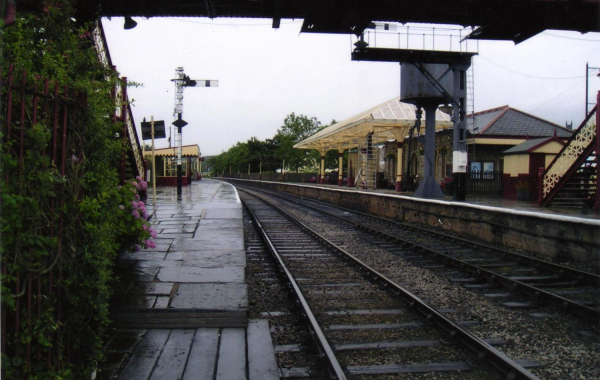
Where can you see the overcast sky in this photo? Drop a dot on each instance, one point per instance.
(265, 74)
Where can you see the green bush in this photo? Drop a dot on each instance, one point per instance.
(65, 230)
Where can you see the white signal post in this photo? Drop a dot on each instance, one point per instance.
(181, 80)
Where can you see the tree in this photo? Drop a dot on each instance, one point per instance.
(295, 129)
(271, 153)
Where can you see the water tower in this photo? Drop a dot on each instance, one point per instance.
(430, 78)
(416, 89)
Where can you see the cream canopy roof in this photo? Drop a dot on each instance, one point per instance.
(387, 121)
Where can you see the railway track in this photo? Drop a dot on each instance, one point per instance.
(362, 322)
(522, 281)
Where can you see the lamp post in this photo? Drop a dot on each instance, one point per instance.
(181, 80)
(588, 68)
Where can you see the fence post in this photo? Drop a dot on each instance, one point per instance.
(597, 203)
(540, 185)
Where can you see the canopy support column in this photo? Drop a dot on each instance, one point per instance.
(341, 167)
(400, 146)
(322, 171)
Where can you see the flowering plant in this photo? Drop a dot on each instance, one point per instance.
(522, 185)
(134, 227)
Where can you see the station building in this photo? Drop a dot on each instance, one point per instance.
(166, 165)
(386, 151)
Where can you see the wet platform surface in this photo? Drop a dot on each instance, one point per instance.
(480, 200)
(180, 309)
(198, 265)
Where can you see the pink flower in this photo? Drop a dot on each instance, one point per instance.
(134, 204)
(145, 227)
(135, 214)
(121, 207)
(145, 215)
(150, 244)
(137, 248)
(139, 178)
(144, 185)
(136, 197)
(141, 204)
(153, 233)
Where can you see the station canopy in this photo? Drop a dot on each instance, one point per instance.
(186, 151)
(391, 120)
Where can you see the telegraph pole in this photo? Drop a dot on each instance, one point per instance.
(181, 80)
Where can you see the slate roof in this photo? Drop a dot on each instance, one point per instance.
(507, 121)
(525, 146)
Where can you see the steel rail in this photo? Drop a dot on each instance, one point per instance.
(484, 351)
(535, 293)
(323, 345)
(585, 277)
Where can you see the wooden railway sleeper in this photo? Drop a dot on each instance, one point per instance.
(499, 360)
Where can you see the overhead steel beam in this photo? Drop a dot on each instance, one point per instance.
(514, 20)
(411, 56)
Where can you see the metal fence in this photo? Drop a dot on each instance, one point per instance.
(278, 177)
(484, 183)
(29, 103)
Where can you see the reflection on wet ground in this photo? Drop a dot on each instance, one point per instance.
(193, 279)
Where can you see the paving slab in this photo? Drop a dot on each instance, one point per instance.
(192, 354)
(143, 359)
(232, 355)
(220, 223)
(261, 355)
(156, 264)
(203, 355)
(211, 296)
(155, 254)
(224, 213)
(189, 295)
(151, 288)
(171, 363)
(175, 256)
(220, 234)
(214, 259)
(178, 230)
(190, 274)
(215, 243)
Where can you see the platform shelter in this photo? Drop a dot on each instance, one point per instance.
(364, 133)
(166, 165)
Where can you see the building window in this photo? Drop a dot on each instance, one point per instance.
(482, 169)
(171, 166)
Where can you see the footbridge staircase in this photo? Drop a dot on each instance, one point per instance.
(132, 164)
(572, 179)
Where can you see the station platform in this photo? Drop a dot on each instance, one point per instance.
(555, 234)
(483, 200)
(180, 309)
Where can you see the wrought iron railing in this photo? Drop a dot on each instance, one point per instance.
(484, 183)
(570, 154)
(122, 110)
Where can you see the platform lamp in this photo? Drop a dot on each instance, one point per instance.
(182, 81)
(154, 129)
(129, 23)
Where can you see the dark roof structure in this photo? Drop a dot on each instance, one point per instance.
(509, 122)
(515, 20)
(531, 145)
